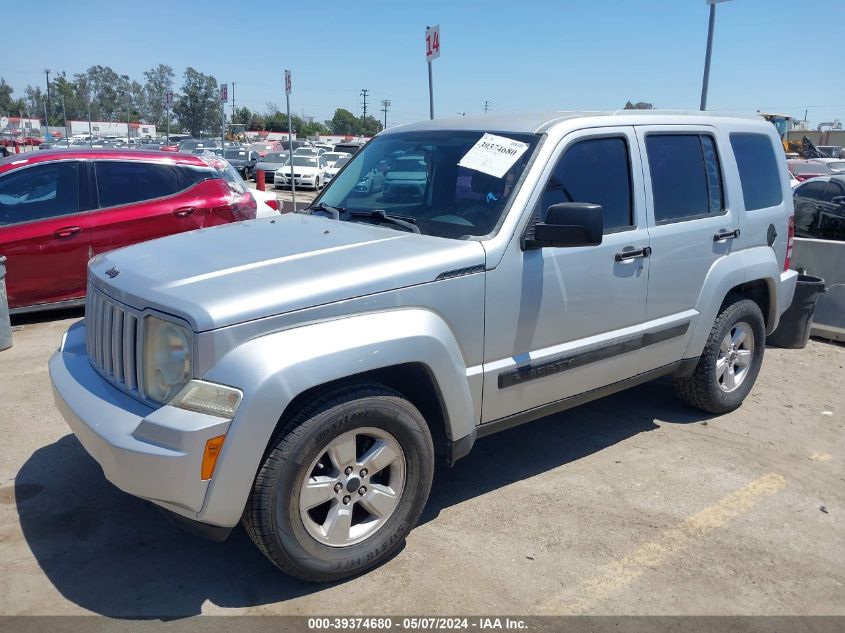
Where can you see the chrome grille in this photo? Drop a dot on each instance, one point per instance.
(111, 331)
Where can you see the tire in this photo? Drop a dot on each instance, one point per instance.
(719, 384)
(300, 541)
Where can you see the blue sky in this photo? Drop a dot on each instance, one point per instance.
(528, 55)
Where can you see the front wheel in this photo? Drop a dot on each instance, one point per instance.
(344, 482)
(731, 359)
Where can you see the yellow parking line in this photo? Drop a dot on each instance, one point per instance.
(821, 457)
(624, 571)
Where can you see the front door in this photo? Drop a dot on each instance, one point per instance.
(44, 233)
(563, 321)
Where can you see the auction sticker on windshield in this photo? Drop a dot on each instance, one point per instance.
(493, 155)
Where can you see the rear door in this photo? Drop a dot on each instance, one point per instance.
(44, 233)
(691, 225)
(140, 201)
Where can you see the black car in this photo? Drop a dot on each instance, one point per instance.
(820, 208)
(243, 160)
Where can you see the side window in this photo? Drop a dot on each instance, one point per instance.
(686, 177)
(596, 171)
(832, 190)
(120, 183)
(758, 170)
(39, 192)
(811, 190)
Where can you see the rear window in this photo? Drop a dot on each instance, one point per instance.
(686, 178)
(758, 170)
(121, 183)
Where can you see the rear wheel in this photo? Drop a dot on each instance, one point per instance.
(731, 359)
(344, 482)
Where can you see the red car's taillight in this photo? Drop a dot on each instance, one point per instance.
(790, 237)
(245, 207)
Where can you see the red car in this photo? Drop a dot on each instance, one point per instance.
(806, 169)
(59, 209)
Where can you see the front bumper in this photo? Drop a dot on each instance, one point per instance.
(301, 181)
(155, 454)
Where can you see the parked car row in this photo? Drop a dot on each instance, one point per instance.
(58, 209)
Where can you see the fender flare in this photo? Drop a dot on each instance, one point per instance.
(273, 369)
(753, 264)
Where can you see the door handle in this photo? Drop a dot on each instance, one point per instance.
(634, 253)
(68, 231)
(184, 212)
(725, 235)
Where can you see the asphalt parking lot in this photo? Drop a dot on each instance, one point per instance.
(285, 197)
(633, 504)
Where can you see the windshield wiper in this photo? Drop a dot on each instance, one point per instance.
(333, 211)
(381, 216)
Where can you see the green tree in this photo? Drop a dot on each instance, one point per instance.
(369, 126)
(639, 105)
(198, 107)
(343, 122)
(158, 82)
(5, 96)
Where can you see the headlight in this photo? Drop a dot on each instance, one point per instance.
(167, 358)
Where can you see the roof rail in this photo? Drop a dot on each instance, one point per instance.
(713, 113)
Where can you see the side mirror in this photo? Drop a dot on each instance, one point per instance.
(569, 224)
(838, 200)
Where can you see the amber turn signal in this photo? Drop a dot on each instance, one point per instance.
(209, 457)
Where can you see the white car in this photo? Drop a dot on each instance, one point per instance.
(332, 169)
(332, 157)
(309, 151)
(268, 204)
(835, 165)
(308, 171)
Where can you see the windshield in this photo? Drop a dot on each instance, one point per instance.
(341, 162)
(235, 153)
(274, 158)
(303, 161)
(416, 176)
(840, 166)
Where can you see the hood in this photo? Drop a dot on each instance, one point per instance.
(237, 272)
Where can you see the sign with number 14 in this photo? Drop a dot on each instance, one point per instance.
(432, 42)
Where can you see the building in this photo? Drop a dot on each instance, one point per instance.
(13, 125)
(112, 128)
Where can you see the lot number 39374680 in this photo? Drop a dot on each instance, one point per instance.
(432, 42)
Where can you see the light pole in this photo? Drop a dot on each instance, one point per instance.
(706, 80)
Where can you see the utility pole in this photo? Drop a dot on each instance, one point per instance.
(64, 117)
(49, 105)
(90, 132)
(233, 102)
(705, 82)
(385, 104)
(487, 106)
(364, 94)
(127, 119)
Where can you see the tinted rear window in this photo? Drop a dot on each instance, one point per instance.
(686, 177)
(120, 183)
(758, 170)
